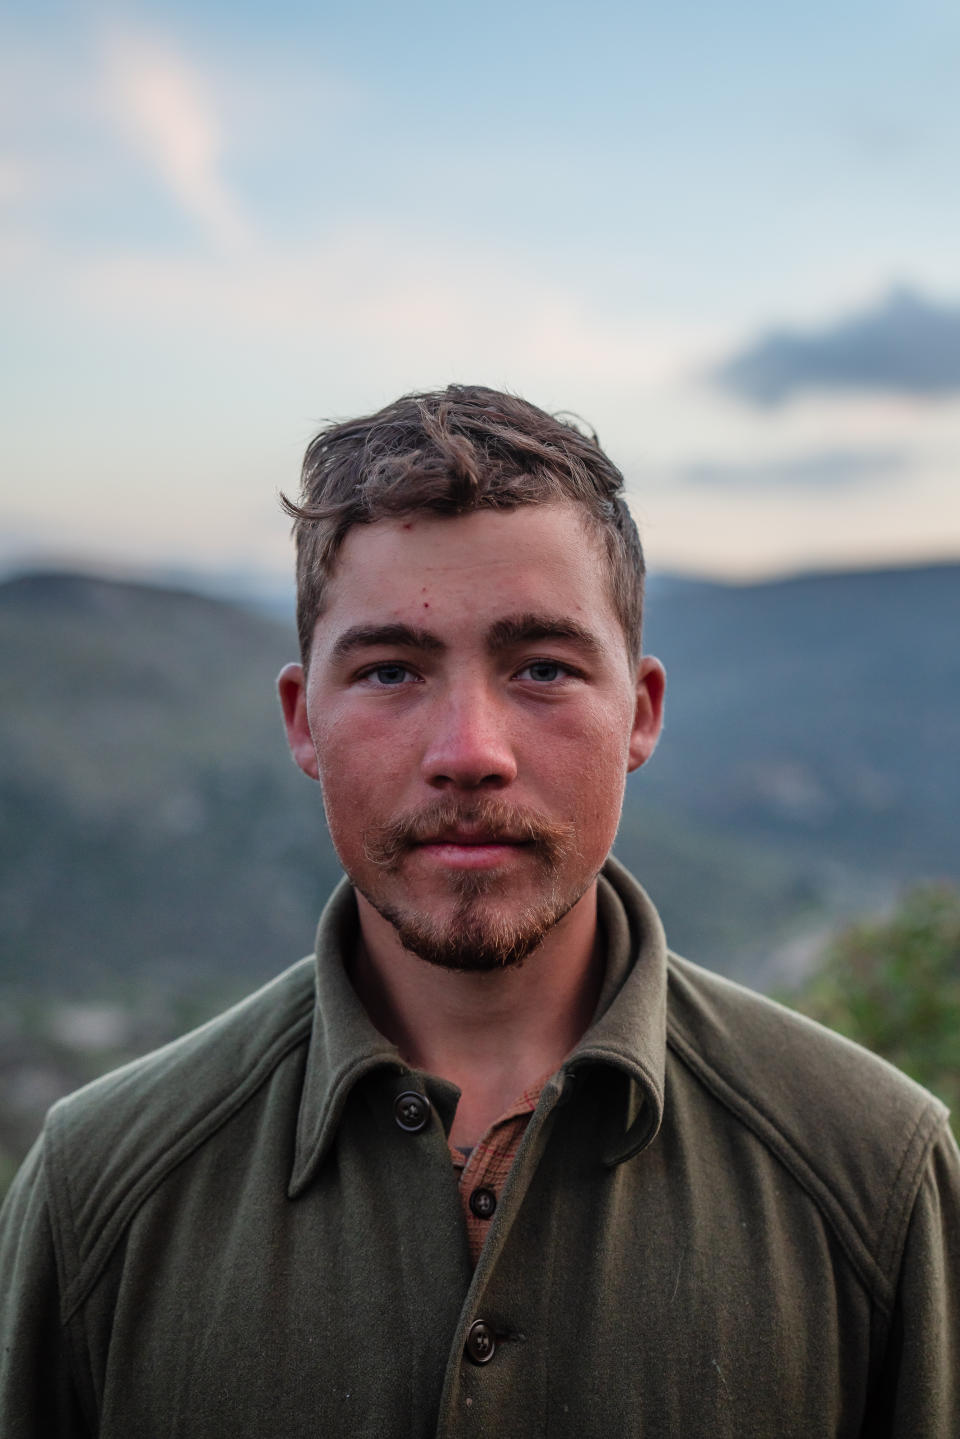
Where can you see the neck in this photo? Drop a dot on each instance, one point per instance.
(494, 1033)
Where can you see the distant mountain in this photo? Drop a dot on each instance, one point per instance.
(151, 821)
(821, 714)
(817, 721)
(153, 828)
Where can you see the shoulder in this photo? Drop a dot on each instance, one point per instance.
(145, 1106)
(783, 1059)
(107, 1145)
(853, 1131)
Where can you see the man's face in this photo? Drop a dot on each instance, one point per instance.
(472, 713)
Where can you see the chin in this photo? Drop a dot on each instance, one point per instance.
(481, 932)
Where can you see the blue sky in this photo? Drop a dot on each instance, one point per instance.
(222, 224)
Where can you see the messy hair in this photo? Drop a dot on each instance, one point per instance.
(450, 452)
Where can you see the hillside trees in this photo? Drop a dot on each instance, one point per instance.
(894, 986)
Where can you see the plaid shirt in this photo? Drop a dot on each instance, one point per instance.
(484, 1169)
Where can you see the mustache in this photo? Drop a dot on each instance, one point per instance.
(496, 819)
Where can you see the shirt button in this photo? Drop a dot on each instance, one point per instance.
(483, 1202)
(481, 1342)
(411, 1111)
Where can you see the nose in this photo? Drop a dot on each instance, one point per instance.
(469, 744)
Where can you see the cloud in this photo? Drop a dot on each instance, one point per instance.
(904, 345)
(163, 106)
(828, 468)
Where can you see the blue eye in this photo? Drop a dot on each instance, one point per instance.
(389, 675)
(545, 671)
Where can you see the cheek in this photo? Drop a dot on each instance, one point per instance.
(360, 770)
(595, 740)
(346, 742)
(586, 765)
(341, 766)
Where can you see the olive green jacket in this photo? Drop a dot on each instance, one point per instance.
(722, 1221)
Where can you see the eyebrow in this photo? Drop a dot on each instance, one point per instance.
(526, 629)
(505, 634)
(366, 637)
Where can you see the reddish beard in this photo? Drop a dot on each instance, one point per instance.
(476, 936)
(552, 840)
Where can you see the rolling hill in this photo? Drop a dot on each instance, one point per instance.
(152, 822)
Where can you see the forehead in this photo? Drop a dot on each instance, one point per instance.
(468, 567)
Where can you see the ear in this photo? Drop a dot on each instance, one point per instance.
(648, 713)
(292, 689)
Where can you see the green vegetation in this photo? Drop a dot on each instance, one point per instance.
(894, 986)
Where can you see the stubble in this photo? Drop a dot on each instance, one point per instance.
(484, 931)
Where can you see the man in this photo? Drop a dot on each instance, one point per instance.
(494, 1163)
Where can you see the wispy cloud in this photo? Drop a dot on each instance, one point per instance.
(164, 107)
(904, 345)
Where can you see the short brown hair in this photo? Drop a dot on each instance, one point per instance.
(449, 452)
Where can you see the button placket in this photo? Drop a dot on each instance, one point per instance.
(481, 1344)
(411, 1110)
(483, 1202)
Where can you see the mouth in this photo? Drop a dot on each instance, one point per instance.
(471, 849)
(481, 835)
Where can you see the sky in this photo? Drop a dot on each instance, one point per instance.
(727, 236)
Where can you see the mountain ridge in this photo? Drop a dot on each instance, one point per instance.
(152, 818)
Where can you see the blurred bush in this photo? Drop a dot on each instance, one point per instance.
(894, 986)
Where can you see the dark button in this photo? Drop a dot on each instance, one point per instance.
(483, 1202)
(411, 1111)
(481, 1342)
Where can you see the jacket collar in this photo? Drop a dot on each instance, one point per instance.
(628, 1031)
